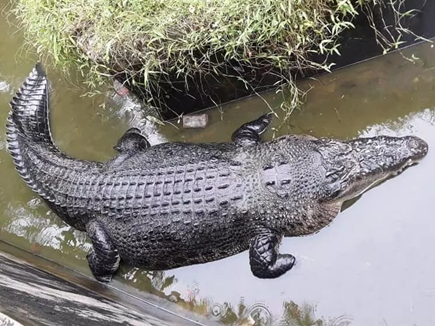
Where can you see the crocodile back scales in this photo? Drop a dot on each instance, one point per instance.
(196, 202)
(171, 204)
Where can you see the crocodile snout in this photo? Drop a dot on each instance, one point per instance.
(418, 147)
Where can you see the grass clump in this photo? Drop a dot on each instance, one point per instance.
(157, 41)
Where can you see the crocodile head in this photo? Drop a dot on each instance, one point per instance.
(354, 166)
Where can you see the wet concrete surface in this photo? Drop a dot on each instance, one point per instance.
(34, 296)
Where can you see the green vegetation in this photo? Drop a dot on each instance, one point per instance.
(154, 41)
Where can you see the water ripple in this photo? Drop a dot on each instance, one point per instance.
(340, 321)
(43, 229)
(34, 203)
(130, 109)
(256, 314)
(260, 314)
(218, 310)
(4, 87)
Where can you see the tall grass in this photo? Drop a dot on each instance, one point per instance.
(154, 40)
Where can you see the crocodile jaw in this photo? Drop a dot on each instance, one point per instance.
(358, 165)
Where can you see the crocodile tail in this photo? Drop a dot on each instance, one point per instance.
(28, 126)
(28, 118)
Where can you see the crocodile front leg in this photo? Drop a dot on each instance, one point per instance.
(264, 258)
(104, 259)
(249, 133)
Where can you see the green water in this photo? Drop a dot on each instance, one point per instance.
(373, 266)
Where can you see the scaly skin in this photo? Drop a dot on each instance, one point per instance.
(177, 204)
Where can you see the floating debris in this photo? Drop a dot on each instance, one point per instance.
(120, 89)
(195, 121)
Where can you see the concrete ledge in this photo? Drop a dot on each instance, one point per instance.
(30, 295)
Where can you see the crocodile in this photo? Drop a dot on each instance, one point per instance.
(175, 204)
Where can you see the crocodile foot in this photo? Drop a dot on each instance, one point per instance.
(249, 133)
(264, 258)
(132, 141)
(104, 259)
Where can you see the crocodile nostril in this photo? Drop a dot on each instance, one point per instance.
(417, 146)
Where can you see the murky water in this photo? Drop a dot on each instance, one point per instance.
(373, 266)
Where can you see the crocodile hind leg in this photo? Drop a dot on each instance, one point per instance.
(132, 141)
(104, 259)
(249, 133)
(129, 144)
(264, 258)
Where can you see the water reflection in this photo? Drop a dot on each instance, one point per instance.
(401, 126)
(44, 229)
(4, 87)
(128, 109)
(227, 313)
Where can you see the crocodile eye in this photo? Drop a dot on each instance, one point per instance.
(333, 191)
(336, 193)
(335, 170)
